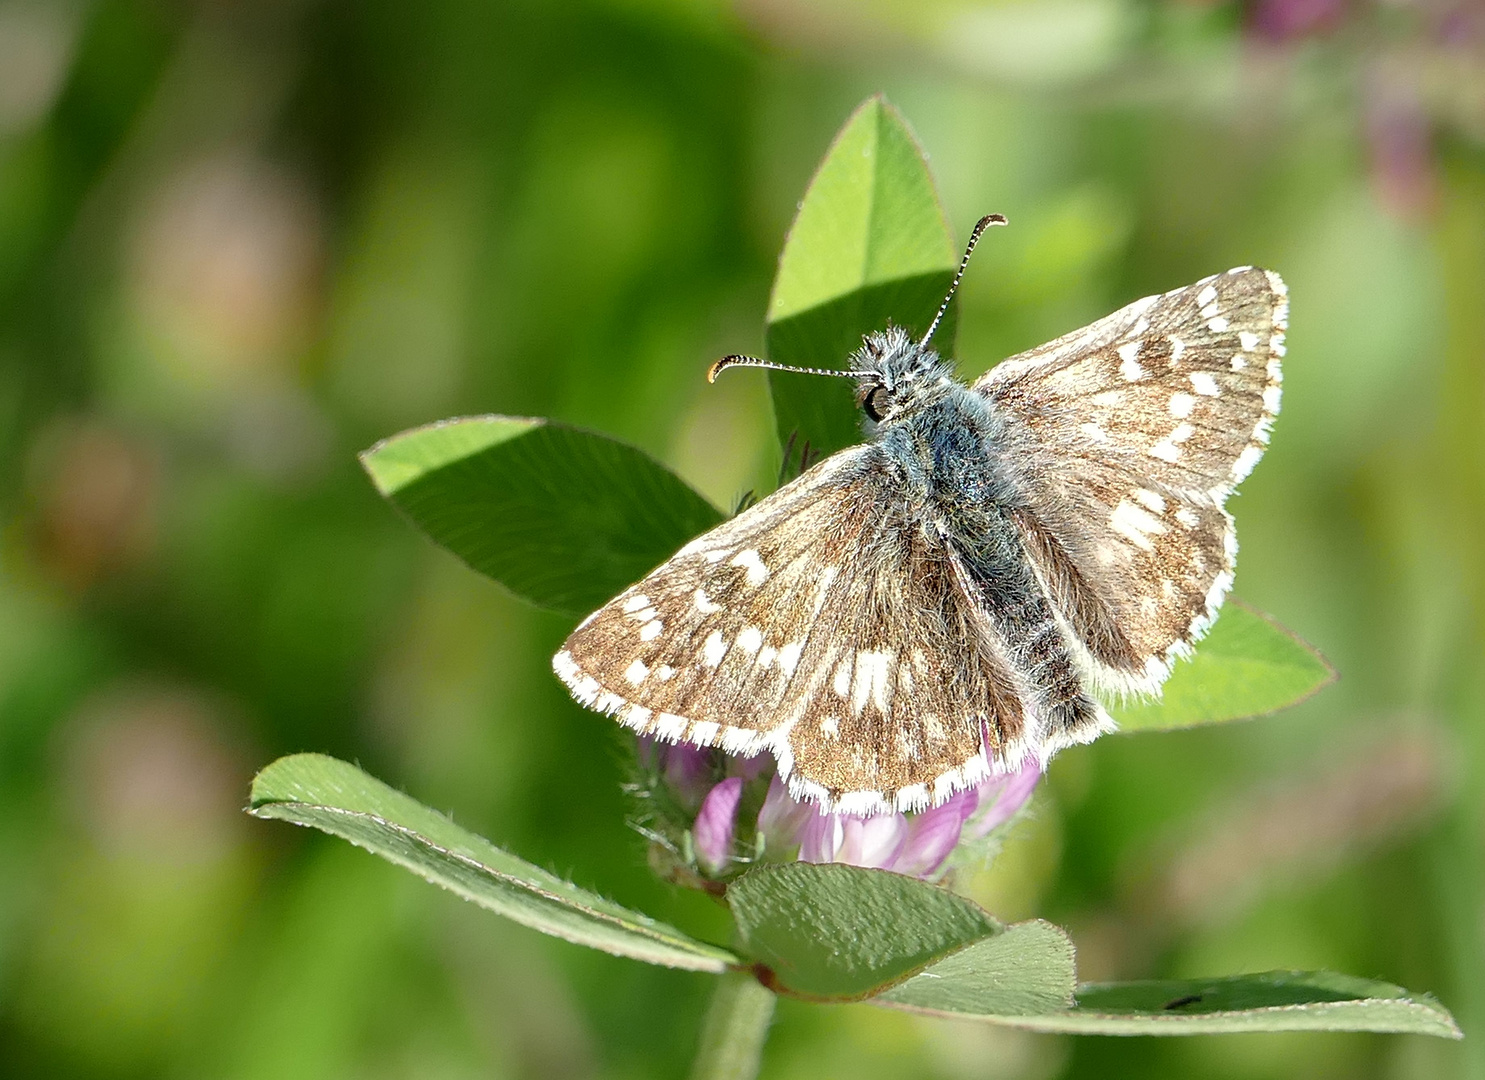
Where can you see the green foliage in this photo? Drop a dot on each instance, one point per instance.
(1268, 1001)
(989, 981)
(340, 799)
(1247, 665)
(842, 933)
(869, 247)
(561, 517)
(837, 933)
(1026, 970)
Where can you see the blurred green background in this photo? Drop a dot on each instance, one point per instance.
(240, 241)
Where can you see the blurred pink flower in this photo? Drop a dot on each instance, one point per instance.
(1285, 20)
(716, 824)
(726, 837)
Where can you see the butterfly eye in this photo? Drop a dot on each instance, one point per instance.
(876, 403)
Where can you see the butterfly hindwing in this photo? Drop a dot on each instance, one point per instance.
(1131, 433)
(824, 624)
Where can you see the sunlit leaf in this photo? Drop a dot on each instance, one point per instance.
(337, 798)
(561, 517)
(1272, 1001)
(869, 246)
(1027, 970)
(839, 932)
(1247, 666)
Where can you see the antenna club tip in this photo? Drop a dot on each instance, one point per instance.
(992, 219)
(718, 367)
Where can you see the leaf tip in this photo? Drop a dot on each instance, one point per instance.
(274, 783)
(371, 465)
(398, 460)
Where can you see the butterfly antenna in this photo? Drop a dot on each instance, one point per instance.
(974, 238)
(753, 361)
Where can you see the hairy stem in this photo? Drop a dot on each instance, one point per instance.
(735, 1029)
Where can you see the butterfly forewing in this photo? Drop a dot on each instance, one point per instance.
(825, 625)
(1131, 433)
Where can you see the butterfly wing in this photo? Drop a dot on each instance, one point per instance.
(1131, 433)
(825, 625)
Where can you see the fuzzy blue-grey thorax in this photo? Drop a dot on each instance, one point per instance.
(944, 438)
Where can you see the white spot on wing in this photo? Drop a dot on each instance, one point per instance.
(1165, 450)
(1217, 325)
(704, 603)
(651, 630)
(636, 672)
(789, 656)
(1181, 405)
(634, 603)
(1203, 383)
(750, 640)
(750, 560)
(1188, 517)
(1135, 524)
(1150, 500)
(1177, 347)
(713, 649)
(1206, 296)
(1094, 432)
(1248, 340)
(665, 673)
(873, 679)
(1128, 366)
(842, 682)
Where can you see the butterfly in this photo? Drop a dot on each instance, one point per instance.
(959, 592)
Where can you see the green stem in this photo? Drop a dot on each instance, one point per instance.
(735, 1029)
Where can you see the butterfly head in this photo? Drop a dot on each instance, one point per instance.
(896, 375)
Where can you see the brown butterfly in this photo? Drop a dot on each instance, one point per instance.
(945, 599)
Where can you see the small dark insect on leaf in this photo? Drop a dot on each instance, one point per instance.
(1182, 1002)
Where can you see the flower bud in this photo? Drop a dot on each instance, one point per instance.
(709, 817)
